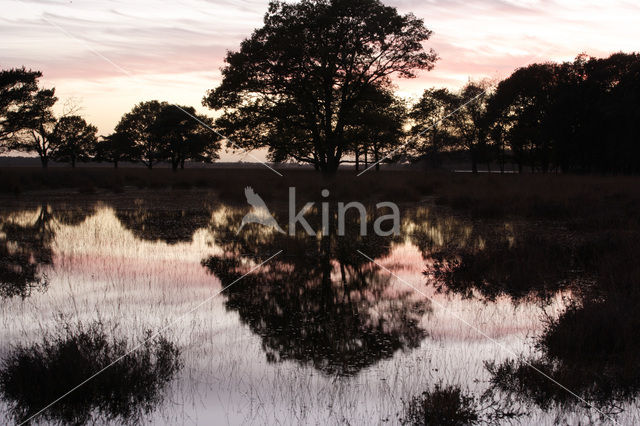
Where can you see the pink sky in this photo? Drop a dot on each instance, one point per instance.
(173, 50)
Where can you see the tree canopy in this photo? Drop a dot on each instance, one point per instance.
(156, 131)
(26, 115)
(292, 84)
(73, 139)
(17, 86)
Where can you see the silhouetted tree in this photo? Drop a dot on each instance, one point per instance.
(27, 113)
(183, 137)
(469, 121)
(606, 101)
(624, 110)
(114, 148)
(17, 86)
(576, 116)
(156, 131)
(292, 83)
(137, 127)
(430, 117)
(523, 102)
(447, 120)
(73, 140)
(376, 126)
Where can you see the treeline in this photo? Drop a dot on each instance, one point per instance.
(581, 116)
(150, 133)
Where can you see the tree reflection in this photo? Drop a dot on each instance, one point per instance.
(25, 246)
(320, 303)
(150, 222)
(491, 260)
(527, 267)
(591, 348)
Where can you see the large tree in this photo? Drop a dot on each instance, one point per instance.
(573, 116)
(453, 120)
(469, 121)
(521, 106)
(136, 126)
(73, 140)
(291, 85)
(431, 124)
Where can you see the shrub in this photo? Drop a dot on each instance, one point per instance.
(131, 384)
(441, 406)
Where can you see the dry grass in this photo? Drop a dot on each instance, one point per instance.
(585, 201)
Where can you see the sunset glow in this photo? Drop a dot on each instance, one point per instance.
(173, 50)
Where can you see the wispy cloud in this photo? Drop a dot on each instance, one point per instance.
(175, 49)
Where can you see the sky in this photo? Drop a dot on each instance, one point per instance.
(106, 56)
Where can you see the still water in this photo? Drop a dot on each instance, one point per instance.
(318, 334)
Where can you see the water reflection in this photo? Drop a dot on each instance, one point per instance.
(25, 246)
(523, 266)
(149, 220)
(592, 349)
(320, 303)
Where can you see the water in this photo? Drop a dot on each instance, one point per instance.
(316, 335)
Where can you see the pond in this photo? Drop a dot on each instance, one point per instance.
(187, 321)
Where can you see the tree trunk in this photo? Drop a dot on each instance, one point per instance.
(357, 160)
(45, 161)
(331, 167)
(376, 155)
(73, 162)
(115, 164)
(182, 164)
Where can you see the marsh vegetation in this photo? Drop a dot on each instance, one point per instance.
(320, 333)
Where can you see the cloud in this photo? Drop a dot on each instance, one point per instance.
(180, 40)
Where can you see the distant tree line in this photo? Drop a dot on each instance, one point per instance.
(581, 116)
(152, 132)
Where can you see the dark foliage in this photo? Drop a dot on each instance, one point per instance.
(33, 376)
(573, 117)
(24, 250)
(73, 140)
(441, 406)
(293, 84)
(325, 305)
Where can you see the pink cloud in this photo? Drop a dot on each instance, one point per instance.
(476, 38)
